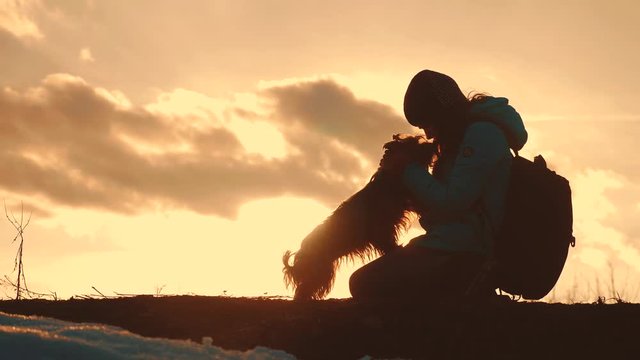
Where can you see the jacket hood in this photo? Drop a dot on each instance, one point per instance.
(498, 110)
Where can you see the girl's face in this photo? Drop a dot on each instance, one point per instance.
(430, 130)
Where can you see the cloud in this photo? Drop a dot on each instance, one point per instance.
(85, 55)
(593, 206)
(311, 113)
(608, 142)
(16, 18)
(49, 244)
(16, 209)
(594, 257)
(84, 146)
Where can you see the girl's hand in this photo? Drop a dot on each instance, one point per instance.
(394, 161)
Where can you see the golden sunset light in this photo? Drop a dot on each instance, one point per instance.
(183, 146)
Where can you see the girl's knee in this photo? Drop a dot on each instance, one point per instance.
(356, 284)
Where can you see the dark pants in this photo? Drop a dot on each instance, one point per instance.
(414, 273)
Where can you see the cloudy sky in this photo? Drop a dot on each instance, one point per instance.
(189, 144)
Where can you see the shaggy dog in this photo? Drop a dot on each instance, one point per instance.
(365, 225)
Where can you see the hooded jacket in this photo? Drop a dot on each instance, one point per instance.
(467, 199)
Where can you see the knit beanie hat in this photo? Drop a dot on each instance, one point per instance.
(431, 94)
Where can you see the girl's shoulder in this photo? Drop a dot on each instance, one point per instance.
(484, 130)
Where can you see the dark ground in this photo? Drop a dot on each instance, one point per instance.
(344, 329)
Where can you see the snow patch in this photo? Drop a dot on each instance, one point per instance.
(32, 337)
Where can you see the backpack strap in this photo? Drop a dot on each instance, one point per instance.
(484, 278)
(489, 232)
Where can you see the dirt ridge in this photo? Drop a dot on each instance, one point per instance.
(345, 329)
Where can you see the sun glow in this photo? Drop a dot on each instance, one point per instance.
(238, 256)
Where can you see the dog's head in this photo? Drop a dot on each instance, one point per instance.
(413, 148)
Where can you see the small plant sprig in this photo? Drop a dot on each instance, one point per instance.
(20, 226)
(26, 293)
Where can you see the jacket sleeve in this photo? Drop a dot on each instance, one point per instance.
(483, 146)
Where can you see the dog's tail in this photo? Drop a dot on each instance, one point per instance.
(287, 270)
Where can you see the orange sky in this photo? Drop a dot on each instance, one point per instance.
(188, 145)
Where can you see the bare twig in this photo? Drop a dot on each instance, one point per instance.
(98, 291)
(20, 226)
(28, 293)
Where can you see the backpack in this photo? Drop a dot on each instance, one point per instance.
(530, 250)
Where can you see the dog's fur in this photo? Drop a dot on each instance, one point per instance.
(365, 225)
